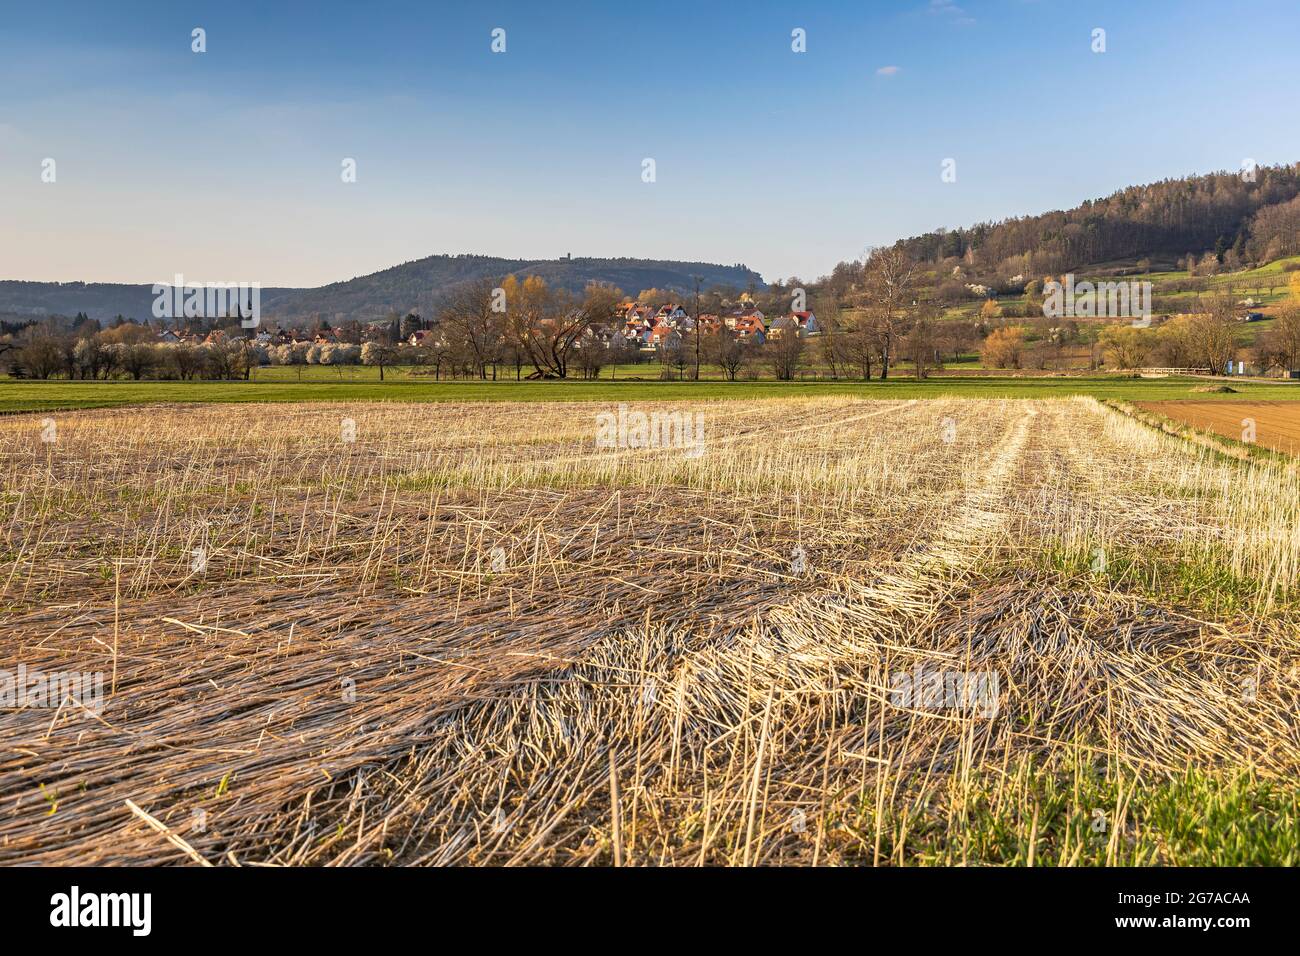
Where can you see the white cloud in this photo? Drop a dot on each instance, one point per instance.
(950, 11)
(888, 70)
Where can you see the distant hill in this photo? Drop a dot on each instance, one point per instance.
(418, 285)
(99, 300)
(1257, 216)
(422, 284)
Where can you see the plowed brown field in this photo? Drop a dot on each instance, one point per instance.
(1276, 424)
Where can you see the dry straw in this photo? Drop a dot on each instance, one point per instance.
(470, 636)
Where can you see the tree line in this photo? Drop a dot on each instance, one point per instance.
(881, 316)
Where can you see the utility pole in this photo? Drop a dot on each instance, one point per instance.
(697, 327)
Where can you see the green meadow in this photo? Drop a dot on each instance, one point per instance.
(35, 396)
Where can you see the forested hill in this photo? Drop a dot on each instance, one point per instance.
(418, 285)
(1259, 220)
(421, 284)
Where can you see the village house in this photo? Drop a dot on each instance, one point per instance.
(748, 316)
(327, 337)
(807, 323)
(600, 332)
(664, 336)
(748, 328)
(778, 328)
(635, 312)
(639, 329)
(803, 323)
(424, 337)
(672, 315)
(376, 330)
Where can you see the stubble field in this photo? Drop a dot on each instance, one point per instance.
(438, 634)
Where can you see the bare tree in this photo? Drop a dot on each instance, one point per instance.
(621, 352)
(474, 324)
(785, 355)
(1004, 348)
(889, 279)
(89, 356)
(673, 354)
(861, 343)
(377, 354)
(589, 356)
(1126, 347)
(138, 360)
(1284, 338)
(1213, 333)
(514, 356)
(832, 345)
(960, 338)
(726, 351)
(41, 355)
(921, 346)
(546, 323)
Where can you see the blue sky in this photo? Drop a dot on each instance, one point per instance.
(225, 166)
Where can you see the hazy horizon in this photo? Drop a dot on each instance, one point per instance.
(225, 165)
